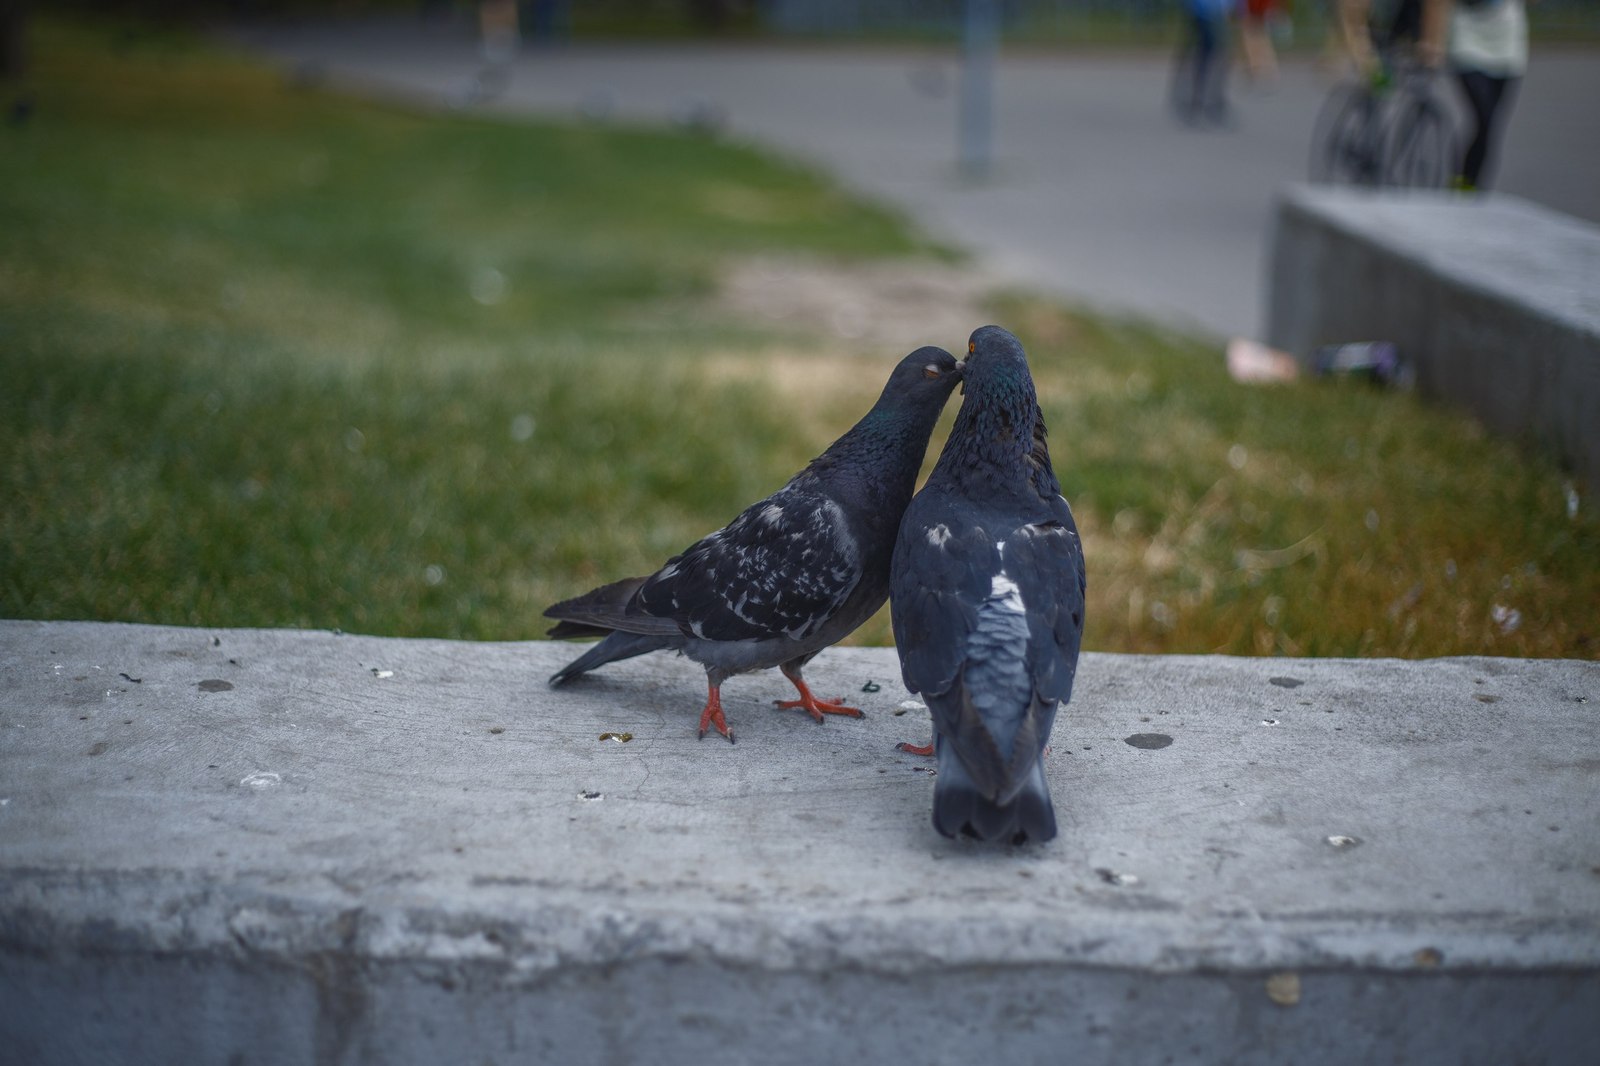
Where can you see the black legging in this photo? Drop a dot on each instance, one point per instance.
(1489, 98)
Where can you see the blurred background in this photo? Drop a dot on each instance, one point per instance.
(412, 318)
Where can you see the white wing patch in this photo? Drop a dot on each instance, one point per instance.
(938, 535)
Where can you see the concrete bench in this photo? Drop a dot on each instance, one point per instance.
(1495, 301)
(276, 846)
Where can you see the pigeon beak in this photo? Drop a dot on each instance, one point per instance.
(961, 373)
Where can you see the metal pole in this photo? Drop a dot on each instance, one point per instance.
(979, 40)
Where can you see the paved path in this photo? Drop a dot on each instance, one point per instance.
(1099, 195)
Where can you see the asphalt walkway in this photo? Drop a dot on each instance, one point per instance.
(1098, 194)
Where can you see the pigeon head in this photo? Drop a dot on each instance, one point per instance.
(890, 438)
(914, 396)
(996, 361)
(999, 426)
(925, 378)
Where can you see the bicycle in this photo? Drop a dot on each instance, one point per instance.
(1387, 130)
(1346, 138)
(1421, 152)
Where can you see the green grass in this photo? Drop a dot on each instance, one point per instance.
(278, 358)
(265, 350)
(1315, 518)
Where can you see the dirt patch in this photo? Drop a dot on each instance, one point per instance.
(862, 306)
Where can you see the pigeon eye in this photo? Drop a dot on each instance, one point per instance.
(972, 347)
(930, 371)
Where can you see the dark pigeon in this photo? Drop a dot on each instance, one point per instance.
(792, 574)
(987, 595)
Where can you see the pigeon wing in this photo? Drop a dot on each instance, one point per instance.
(781, 568)
(1045, 559)
(939, 577)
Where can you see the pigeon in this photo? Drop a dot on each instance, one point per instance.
(792, 574)
(987, 600)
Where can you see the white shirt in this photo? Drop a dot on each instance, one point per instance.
(1491, 37)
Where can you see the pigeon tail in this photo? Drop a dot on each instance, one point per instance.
(617, 645)
(601, 610)
(959, 809)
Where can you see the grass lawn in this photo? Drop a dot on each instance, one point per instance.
(277, 358)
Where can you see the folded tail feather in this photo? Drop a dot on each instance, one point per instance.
(959, 808)
(601, 610)
(577, 631)
(615, 646)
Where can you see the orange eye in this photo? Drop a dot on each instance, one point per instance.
(930, 371)
(972, 347)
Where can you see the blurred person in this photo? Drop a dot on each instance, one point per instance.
(1486, 45)
(1401, 31)
(1255, 39)
(1200, 88)
(13, 38)
(1355, 35)
(498, 36)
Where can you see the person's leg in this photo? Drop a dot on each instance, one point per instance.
(1205, 50)
(1485, 95)
(1356, 36)
(1216, 88)
(1504, 90)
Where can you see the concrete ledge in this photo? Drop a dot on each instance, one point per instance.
(272, 846)
(1495, 301)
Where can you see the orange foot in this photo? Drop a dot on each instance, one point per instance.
(815, 707)
(712, 715)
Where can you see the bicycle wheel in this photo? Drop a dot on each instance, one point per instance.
(1344, 149)
(1420, 153)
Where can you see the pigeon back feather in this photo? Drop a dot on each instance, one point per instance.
(787, 564)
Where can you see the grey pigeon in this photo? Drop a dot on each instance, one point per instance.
(987, 595)
(793, 573)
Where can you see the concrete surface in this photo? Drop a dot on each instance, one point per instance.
(1099, 195)
(1495, 303)
(257, 846)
